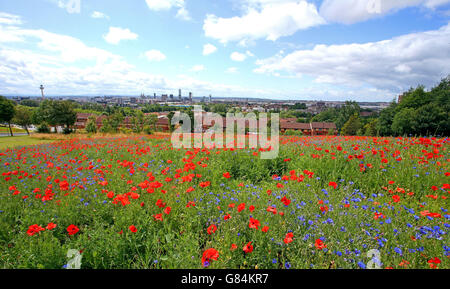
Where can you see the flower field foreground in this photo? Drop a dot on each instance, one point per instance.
(325, 202)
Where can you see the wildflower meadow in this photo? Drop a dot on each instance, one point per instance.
(325, 202)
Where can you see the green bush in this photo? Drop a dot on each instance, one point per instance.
(43, 128)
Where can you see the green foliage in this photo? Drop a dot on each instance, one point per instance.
(352, 126)
(370, 129)
(22, 117)
(419, 113)
(338, 115)
(299, 106)
(43, 128)
(404, 121)
(7, 109)
(91, 125)
(55, 112)
(293, 132)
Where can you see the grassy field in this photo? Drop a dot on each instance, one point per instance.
(137, 202)
(10, 142)
(14, 129)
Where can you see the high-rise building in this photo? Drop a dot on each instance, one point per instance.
(190, 96)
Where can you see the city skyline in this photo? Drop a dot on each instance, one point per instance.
(270, 49)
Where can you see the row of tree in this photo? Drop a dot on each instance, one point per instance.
(139, 123)
(419, 112)
(48, 113)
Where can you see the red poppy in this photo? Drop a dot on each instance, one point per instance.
(158, 217)
(289, 238)
(132, 229)
(254, 224)
(265, 229)
(434, 262)
(285, 201)
(272, 210)
(211, 229)
(209, 254)
(72, 229)
(332, 184)
(226, 175)
(248, 248)
(34, 229)
(167, 210)
(51, 226)
(320, 245)
(241, 207)
(233, 247)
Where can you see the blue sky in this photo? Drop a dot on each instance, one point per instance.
(365, 50)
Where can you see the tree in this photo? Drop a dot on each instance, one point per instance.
(63, 113)
(115, 121)
(44, 113)
(91, 125)
(432, 119)
(138, 121)
(22, 117)
(384, 124)
(405, 122)
(370, 129)
(152, 119)
(345, 112)
(352, 126)
(7, 112)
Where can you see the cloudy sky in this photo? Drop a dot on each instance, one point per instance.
(365, 50)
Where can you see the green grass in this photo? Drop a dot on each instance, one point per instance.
(4, 129)
(10, 142)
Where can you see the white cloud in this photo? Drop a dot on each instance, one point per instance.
(117, 34)
(209, 49)
(352, 11)
(435, 3)
(71, 6)
(67, 66)
(99, 15)
(395, 64)
(231, 70)
(268, 19)
(9, 19)
(155, 55)
(248, 53)
(183, 14)
(159, 5)
(236, 56)
(198, 68)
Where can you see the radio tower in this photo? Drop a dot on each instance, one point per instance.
(42, 91)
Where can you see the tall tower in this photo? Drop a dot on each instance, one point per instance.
(190, 96)
(42, 91)
(179, 93)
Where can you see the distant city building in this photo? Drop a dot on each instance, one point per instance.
(42, 91)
